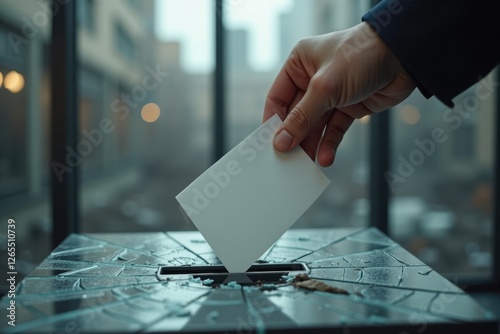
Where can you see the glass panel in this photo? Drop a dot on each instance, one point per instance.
(25, 28)
(105, 282)
(144, 108)
(261, 35)
(441, 180)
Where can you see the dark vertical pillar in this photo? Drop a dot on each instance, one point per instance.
(219, 83)
(64, 121)
(379, 149)
(496, 193)
(379, 164)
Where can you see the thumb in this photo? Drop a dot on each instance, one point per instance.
(300, 120)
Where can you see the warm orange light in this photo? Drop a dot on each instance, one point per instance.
(365, 119)
(14, 82)
(150, 112)
(410, 114)
(1, 79)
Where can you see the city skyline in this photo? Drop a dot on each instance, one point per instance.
(194, 30)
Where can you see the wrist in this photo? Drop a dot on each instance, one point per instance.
(382, 50)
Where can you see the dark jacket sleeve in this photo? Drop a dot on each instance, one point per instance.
(445, 45)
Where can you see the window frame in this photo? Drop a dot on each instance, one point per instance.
(65, 194)
(64, 121)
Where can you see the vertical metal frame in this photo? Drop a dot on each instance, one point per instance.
(379, 149)
(496, 193)
(493, 283)
(219, 82)
(64, 121)
(379, 194)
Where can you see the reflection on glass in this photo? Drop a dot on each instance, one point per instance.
(441, 179)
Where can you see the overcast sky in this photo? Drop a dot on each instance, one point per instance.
(192, 23)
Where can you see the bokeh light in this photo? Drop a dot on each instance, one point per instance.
(1, 79)
(410, 114)
(150, 112)
(14, 82)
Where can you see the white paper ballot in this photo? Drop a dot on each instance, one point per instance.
(245, 201)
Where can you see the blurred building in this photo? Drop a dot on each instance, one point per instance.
(116, 51)
(246, 88)
(122, 67)
(131, 181)
(24, 34)
(24, 119)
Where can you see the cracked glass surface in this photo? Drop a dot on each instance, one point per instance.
(108, 283)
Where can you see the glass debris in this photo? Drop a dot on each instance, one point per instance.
(107, 283)
(312, 284)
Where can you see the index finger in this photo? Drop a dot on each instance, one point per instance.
(280, 95)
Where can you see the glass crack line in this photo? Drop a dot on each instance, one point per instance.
(295, 247)
(69, 316)
(74, 250)
(400, 279)
(78, 284)
(394, 257)
(131, 249)
(337, 241)
(296, 259)
(403, 297)
(362, 273)
(254, 315)
(340, 257)
(431, 301)
(367, 267)
(71, 273)
(386, 286)
(185, 247)
(373, 242)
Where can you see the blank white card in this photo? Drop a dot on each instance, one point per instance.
(245, 201)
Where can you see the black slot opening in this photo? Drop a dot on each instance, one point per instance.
(260, 267)
(260, 272)
(190, 270)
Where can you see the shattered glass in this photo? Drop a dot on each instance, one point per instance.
(108, 283)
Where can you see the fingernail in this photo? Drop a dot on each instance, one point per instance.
(282, 141)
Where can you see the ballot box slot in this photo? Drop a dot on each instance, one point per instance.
(257, 274)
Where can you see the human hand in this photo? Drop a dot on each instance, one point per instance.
(327, 82)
